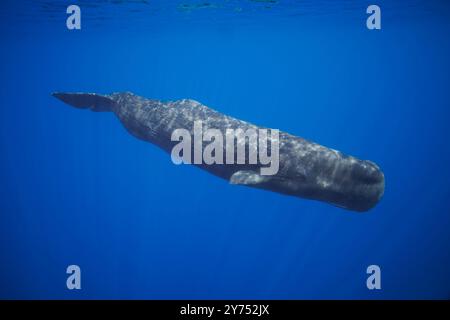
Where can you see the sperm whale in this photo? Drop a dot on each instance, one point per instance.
(306, 169)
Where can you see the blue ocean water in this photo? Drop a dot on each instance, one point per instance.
(76, 188)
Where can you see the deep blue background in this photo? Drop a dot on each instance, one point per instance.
(76, 188)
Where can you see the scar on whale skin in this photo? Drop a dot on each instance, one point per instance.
(306, 169)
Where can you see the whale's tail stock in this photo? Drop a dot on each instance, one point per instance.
(93, 101)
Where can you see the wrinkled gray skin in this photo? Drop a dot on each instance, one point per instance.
(306, 169)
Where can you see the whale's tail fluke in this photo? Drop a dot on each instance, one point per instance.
(93, 101)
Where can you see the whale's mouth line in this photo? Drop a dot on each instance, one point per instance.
(365, 196)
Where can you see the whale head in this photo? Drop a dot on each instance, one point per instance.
(345, 182)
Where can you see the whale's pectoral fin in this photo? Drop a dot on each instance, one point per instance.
(248, 178)
(279, 183)
(93, 101)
